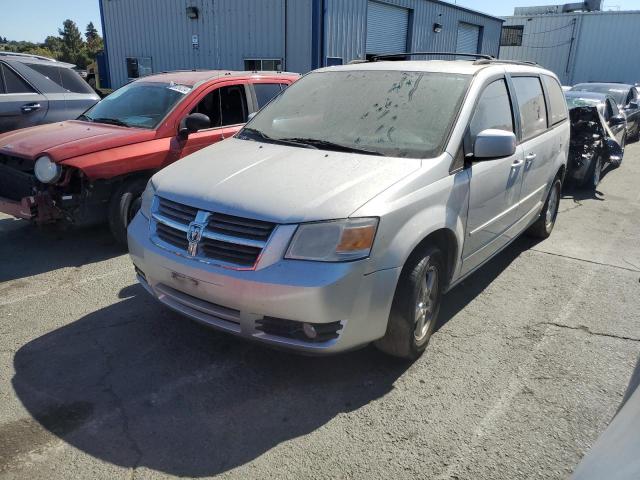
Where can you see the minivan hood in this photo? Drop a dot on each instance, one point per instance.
(279, 183)
(72, 138)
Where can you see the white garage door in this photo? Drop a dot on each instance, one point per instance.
(387, 27)
(468, 38)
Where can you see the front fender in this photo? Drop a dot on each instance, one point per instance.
(413, 211)
(119, 161)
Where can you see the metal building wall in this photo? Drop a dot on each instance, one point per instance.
(346, 27)
(597, 53)
(607, 49)
(228, 32)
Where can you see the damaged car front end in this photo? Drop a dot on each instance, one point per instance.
(45, 191)
(593, 146)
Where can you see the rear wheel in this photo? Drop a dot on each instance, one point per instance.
(416, 305)
(543, 226)
(123, 206)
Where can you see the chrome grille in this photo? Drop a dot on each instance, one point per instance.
(225, 239)
(176, 211)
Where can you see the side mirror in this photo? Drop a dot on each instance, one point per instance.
(633, 105)
(618, 120)
(251, 115)
(192, 123)
(493, 143)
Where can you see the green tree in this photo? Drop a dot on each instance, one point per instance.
(54, 44)
(94, 40)
(73, 47)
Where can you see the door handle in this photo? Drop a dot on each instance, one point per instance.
(30, 107)
(516, 163)
(531, 157)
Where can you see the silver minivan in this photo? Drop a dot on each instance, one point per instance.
(350, 204)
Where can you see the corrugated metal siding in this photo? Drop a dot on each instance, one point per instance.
(546, 39)
(608, 48)
(228, 32)
(232, 30)
(387, 28)
(468, 38)
(346, 25)
(598, 51)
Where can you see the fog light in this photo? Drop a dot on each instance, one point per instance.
(309, 330)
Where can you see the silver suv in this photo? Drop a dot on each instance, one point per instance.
(346, 208)
(36, 90)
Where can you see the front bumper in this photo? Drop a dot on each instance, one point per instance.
(235, 301)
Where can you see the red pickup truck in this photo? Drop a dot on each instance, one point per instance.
(93, 169)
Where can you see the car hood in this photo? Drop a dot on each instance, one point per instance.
(279, 183)
(72, 138)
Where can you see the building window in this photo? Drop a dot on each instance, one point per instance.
(511, 36)
(267, 64)
(138, 67)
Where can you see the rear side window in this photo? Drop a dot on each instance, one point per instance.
(557, 102)
(265, 92)
(533, 111)
(64, 77)
(493, 110)
(13, 83)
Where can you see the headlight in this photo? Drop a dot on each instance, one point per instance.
(147, 199)
(47, 171)
(333, 241)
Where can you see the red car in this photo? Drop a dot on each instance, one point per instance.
(93, 169)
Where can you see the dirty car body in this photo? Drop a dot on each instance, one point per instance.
(71, 170)
(300, 235)
(592, 136)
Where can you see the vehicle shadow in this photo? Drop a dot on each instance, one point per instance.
(26, 249)
(136, 385)
(464, 293)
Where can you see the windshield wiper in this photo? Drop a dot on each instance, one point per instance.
(325, 144)
(254, 133)
(111, 121)
(84, 117)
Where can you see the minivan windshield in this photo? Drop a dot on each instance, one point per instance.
(138, 104)
(380, 112)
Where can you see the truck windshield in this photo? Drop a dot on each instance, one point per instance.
(138, 104)
(391, 113)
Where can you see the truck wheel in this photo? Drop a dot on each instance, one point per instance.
(544, 224)
(414, 312)
(123, 206)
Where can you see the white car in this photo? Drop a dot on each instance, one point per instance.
(346, 208)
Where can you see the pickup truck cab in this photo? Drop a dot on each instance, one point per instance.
(341, 213)
(93, 169)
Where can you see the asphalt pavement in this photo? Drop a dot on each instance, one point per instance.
(530, 362)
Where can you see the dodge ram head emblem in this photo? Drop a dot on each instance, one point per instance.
(194, 235)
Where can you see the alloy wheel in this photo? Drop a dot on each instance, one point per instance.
(426, 303)
(552, 206)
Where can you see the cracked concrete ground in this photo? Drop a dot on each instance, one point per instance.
(529, 364)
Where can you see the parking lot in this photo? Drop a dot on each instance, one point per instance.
(531, 359)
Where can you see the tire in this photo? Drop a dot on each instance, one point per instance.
(636, 133)
(543, 226)
(418, 296)
(124, 204)
(592, 179)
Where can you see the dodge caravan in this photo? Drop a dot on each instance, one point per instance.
(346, 208)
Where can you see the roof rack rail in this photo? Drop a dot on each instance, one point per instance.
(485, 61)
(28, 55)
(376, 58)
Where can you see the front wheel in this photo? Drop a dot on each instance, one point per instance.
(416, 304)
(123, 206)
(543, 226)
(592, 179)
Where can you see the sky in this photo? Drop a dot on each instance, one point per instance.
(34, 20)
